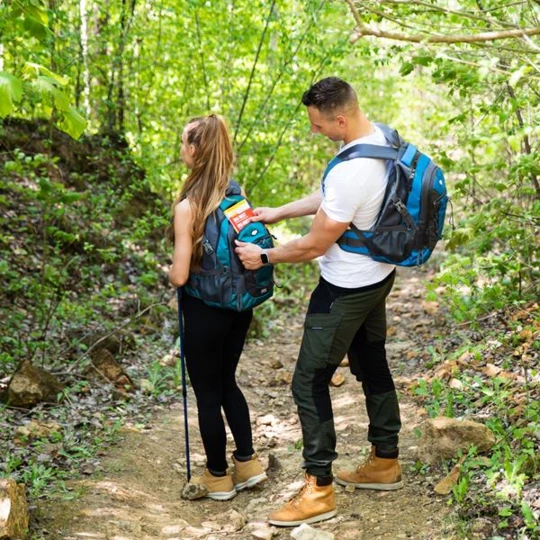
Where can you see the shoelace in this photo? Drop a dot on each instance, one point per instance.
(367, 461)
(306, 488)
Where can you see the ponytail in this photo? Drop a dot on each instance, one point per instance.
(207, 182)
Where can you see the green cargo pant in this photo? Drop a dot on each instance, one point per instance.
(338, 323)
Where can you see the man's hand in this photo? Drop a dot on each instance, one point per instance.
(249, 254)
(266, 214)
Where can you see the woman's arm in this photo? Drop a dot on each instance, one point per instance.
(183, 244)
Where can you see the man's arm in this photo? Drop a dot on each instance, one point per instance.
(323, 233)
(303, 207)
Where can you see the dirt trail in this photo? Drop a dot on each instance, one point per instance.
(136, 496)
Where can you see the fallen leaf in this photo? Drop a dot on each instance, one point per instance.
(444, 487)
(431, 308)
(525, 335)
(491, 370)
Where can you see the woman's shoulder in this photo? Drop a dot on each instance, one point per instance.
(183, 209)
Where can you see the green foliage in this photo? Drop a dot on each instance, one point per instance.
(10, 92)
(80, 245)
(143, 70)
(72, 263)
(44, 91)
(498, 485)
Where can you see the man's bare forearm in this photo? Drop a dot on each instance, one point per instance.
(298, 250)
(303, 207)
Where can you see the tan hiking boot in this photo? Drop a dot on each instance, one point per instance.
(247, 474)
(312, 504)
(375, 473)
(220, 488)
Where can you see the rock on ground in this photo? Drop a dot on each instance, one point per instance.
(13, 511)
(306, 532)
(442, 438)
(31, 385)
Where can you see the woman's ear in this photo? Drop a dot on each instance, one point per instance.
(191, 150)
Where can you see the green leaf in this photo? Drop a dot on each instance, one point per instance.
(35, 27)
(10, 91)
(70, 197)
(30, 67)
(406, 68)
(518, 75)
(72, 123)
(49, 88)
(39, 12)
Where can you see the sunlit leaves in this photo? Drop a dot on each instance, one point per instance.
(34, 16)
(31, 69)
(10, 92)
(72, 122)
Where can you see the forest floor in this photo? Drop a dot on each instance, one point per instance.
(135, 494)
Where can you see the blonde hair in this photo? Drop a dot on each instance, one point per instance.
(208, 179)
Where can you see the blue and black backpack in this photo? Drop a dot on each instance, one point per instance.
(222, 280)
(411, 219)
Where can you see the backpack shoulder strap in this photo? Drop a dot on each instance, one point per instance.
(391, 135)
(233, 188)
(373, 151)
(233, 194)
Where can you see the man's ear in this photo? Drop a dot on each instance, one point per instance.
(341, 120)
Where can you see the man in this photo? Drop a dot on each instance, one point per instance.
(346, 312)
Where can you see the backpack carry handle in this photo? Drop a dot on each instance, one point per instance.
(184, 384)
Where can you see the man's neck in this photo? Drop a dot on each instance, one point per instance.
(362, 128)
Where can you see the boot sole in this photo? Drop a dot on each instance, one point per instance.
(250, 482)
(314, 519)
(222, 495)
(378, 487)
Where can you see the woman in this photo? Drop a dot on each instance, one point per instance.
(213, 337)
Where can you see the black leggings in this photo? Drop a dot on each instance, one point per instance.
(214, 339)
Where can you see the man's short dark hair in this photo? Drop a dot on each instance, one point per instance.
(330, 95)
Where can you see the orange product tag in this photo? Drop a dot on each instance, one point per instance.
(239, 214)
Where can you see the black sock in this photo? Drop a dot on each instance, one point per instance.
(324, 480)
(242, 459)
(386, 453)
(218, 473)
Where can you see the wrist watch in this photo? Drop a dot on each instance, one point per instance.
(264, 257)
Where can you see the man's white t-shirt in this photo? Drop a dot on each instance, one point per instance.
(353, 192)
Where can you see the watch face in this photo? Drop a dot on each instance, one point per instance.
(264, 258)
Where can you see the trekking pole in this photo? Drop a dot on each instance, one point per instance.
(184, 385)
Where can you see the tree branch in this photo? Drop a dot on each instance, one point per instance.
(201, 58)
(277, 79)
(526, 141)
(314, 76)
(439, 9)
(363, 31)
(246, 95)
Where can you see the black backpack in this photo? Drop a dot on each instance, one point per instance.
(411, 219)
